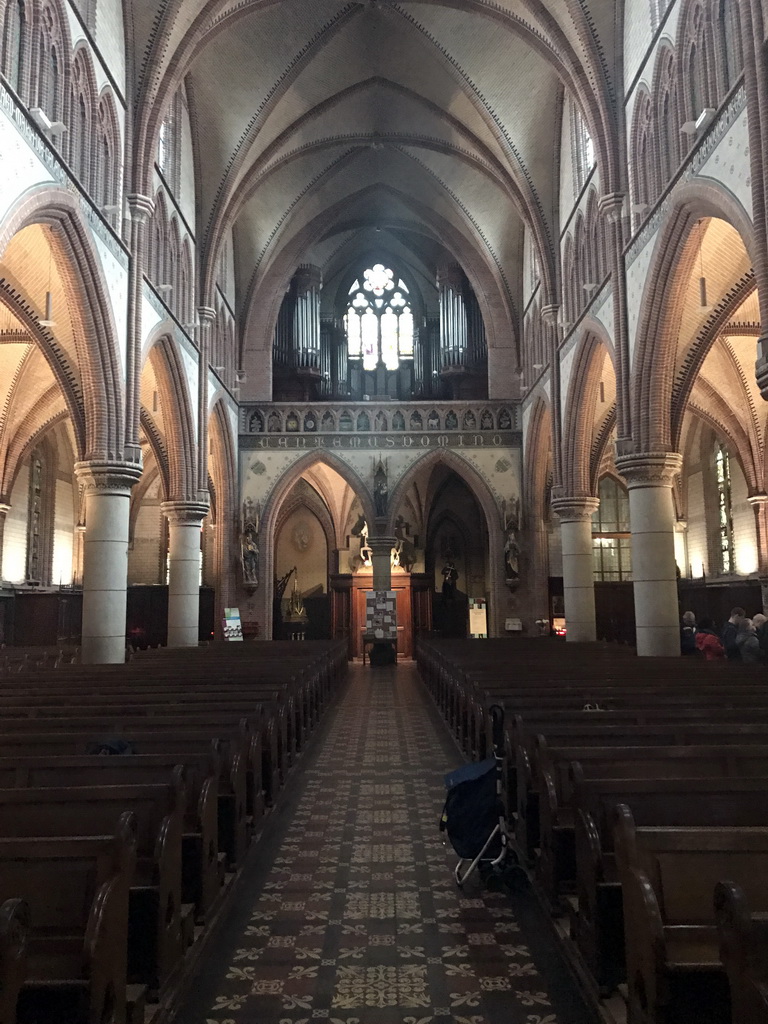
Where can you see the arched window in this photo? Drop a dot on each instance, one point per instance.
(667, 118)
(15, 44)
(730, 43)
(611, 540)
(80, 128)
(40, 514)
(583, 149)
(169, 145)
(644, 189)
(379, 319)
(569, 281)
(724, 508)
(107, 160)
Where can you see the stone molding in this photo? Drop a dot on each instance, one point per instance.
(108, 477)
(649, 469)
(206, 314)
(755, 500)
(381, 545)
(5, 508)
(141, 207)
(574, 508)
(184, 513)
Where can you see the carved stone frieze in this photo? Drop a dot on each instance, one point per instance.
(108, 477)
(570, 508)
(649, 469)
(184, 513)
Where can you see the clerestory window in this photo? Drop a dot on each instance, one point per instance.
(611, 540)
(379, 319)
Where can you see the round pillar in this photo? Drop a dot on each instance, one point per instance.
(5, 508)
(381, 561)
(575, 514)
(184, 521)
(107, 488)
(654, 571)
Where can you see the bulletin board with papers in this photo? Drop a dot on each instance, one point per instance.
(381, 614)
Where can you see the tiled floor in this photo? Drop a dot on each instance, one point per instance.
(352, 915)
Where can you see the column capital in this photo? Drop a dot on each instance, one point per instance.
(381, 545)
(549, 312)
(574, 507)
(649, 469)
(108, 477)
(206, 314)
(5, 508)
(755, 500)
(184, 513)
(140, 207)
(610, 201)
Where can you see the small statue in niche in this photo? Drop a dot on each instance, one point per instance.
(512, 556)
(380, 490)
(249, 542)
(450, 576)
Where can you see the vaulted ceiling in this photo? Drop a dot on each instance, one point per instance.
(326, 128)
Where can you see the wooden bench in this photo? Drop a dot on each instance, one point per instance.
(743, 935)
(158, 736)
(668, 877)
(561, 782)
(154, 923)
(706, 802)
(75, 961)
(201, 869)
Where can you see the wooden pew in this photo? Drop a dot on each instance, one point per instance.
(681, 732)
(668, 876)
(561, 782)
(77, 891)
(14, 936)
(154, 922)
(166, 736)
(743, 938)
(706, 802)
(201, 876)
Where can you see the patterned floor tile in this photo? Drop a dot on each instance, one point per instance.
(354, 918)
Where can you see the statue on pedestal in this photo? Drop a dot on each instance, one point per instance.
(249, 542)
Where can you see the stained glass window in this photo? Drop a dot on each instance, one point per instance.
(725, 520)
(379, 320)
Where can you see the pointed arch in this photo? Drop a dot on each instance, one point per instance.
(178, 418)
(653, 382)
(97, 386)
(579, 413)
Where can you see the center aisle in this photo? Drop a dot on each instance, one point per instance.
(352, 915)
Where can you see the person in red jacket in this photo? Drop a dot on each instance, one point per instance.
(707, 640)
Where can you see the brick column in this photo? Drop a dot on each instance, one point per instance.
(649, 478)
(184, 521)
(206, 316)
(107, 489)
(575, 515)
(759, 503)
(611, 206)
(5, 508)
(141, 209)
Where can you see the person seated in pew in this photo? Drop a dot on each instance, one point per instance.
(760, 622)
(707, 640)
(747, 643)
(688, 634)
(730, 630)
